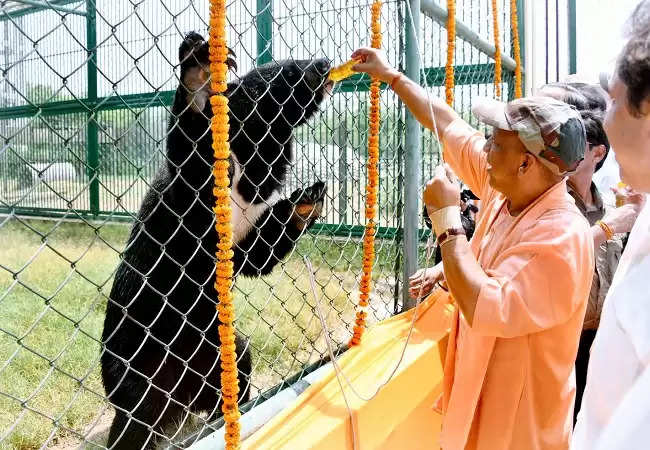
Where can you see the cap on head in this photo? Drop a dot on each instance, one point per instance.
(549, 129)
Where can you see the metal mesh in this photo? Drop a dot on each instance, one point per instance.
(86, 92)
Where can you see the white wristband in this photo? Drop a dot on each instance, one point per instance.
(446, 218)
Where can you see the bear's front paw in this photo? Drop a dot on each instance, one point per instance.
(308, 205)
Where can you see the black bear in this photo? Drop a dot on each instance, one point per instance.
(159, 363)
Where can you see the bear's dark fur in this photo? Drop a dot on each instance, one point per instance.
(160, 361)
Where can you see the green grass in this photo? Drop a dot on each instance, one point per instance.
(54, 279)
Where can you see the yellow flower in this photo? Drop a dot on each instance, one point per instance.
(514, 27)
(223, 214)
(228, 339)
(372, 182)
(451, 41)
(497, 51)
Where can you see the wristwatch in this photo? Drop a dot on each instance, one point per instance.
(448, 233)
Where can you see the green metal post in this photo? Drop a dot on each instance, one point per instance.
(264, 31)
(573, 63)
(341, 139)
(92, 136)
(412, 157)
(509, 78)
(397, 267)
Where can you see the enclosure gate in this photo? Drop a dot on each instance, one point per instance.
(86, 92)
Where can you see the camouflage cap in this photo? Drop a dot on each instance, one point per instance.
(549, 129)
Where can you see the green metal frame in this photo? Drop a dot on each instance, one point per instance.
(60, 213)
(412, 153)
(87, 105)
(92, 105)
(435, 76)
(264, 20)
(573, 52)
(92, 142)
(328, 229)
(34, 7)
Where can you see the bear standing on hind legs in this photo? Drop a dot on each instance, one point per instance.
(160, 362)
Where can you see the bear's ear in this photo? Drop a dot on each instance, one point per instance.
(195, 73)
(194, 50)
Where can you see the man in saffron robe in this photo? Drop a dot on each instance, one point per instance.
(522, 282)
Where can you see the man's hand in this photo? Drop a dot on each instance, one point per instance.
(442, 190)
(421, 283)
(416, 99)
(621, 219)
(374, 64)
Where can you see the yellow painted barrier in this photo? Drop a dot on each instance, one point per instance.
(401, 415)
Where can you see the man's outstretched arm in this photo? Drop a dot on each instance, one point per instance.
(412, 94)
(463, 145)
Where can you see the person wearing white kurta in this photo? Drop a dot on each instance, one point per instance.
(615, 410)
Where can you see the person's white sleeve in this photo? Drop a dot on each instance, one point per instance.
(629, 426)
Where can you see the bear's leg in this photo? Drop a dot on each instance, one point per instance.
(276, 232)
(128, 434)
(206, 400)
(145, 405)
(157, 415)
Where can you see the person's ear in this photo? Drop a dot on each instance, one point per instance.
(599, 152)
(645, 108)
(526, 163)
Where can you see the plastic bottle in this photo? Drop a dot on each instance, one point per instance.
(620, 199)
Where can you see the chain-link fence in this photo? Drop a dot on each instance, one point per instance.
(106, 303)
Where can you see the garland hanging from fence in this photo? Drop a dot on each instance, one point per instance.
(371, 187)
(223, 225)
(497, 50)
(451, 47)
(514, 26)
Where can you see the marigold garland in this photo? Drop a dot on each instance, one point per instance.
(497, 49)
(451, 46)
(514, 25)
(223, 225)
(371, 187)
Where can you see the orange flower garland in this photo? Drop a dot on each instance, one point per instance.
(514, 25)
(497, 50)
(371, 187)
(451, 45)
(223, 213)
